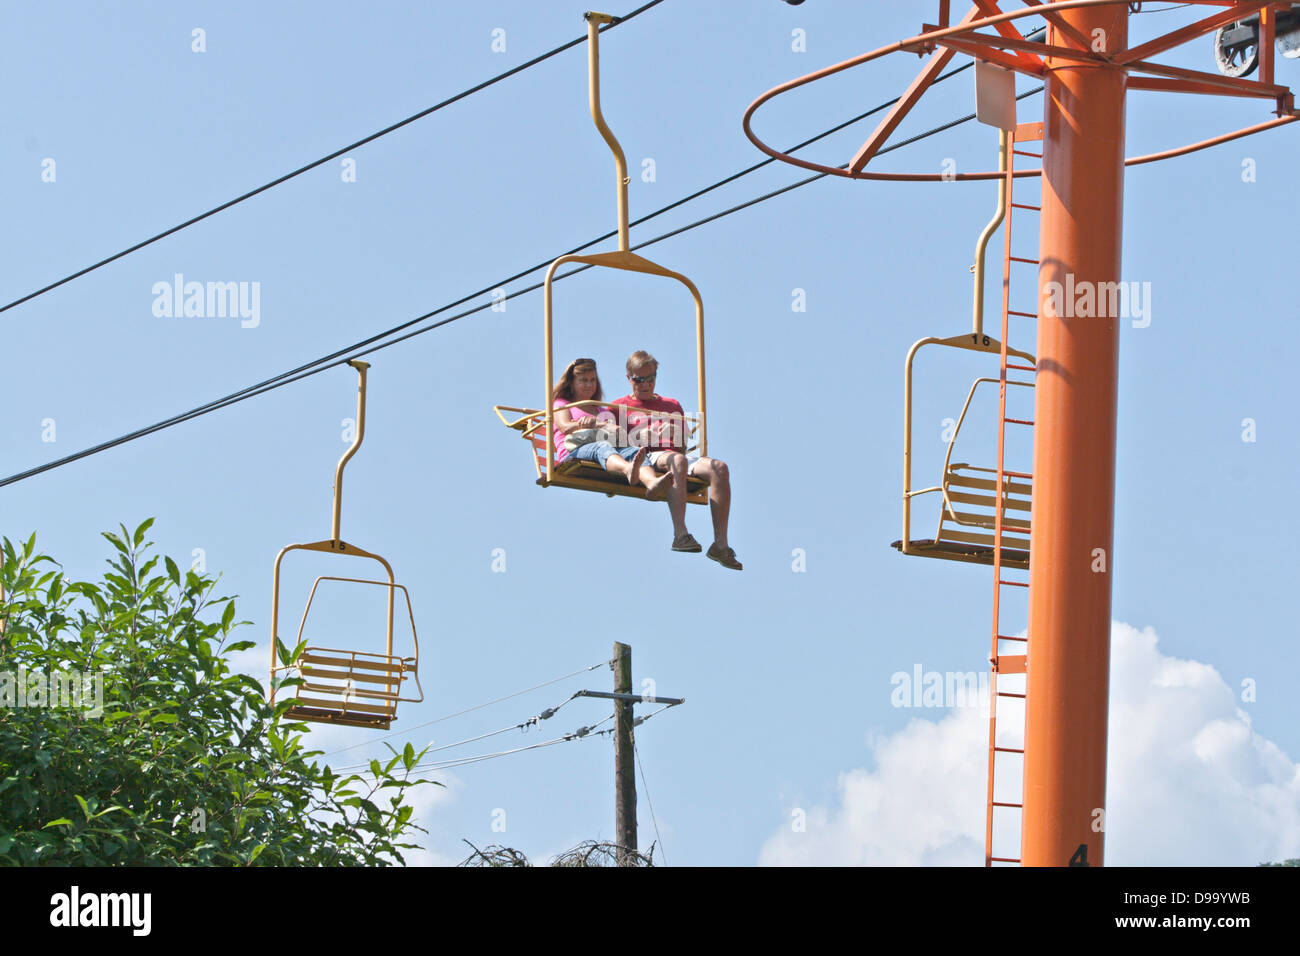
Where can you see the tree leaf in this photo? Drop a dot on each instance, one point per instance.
(138, 537)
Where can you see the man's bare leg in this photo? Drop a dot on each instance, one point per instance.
(718, 475)
(675, 464)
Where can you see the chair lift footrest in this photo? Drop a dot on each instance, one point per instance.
(956, 551)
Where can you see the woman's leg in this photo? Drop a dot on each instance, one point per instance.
(612, 459)
(619, 465)
(657, 485)
(592, 451)
(637, 471)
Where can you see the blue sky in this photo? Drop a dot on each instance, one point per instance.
(787, 674)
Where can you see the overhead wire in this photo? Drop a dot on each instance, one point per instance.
(522, 725)
(325, 159)
(580, 734)
(659, 840)
(467, 710)
(328, 361)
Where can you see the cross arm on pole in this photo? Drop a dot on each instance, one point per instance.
(634, 698)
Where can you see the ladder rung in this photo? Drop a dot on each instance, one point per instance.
(1032, 262)
(1004, 637)
(1023, 315)
(1024, 152)
(1015, 584)
(1009, 750)
(1020, 205)
(1023, 368)
(1004, 859)
(1008, 693)
(997, 803)
(1017, 474)
(1017, 421)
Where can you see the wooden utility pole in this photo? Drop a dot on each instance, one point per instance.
(624, 759)
(625, 748)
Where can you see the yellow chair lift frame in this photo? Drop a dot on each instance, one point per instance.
(537, 425)
(352, 688)
(962, 484)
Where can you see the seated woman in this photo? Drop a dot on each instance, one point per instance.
(581, 383)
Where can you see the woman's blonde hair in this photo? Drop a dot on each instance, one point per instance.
(564, 388)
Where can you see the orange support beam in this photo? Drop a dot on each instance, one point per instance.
(1067, 689)
(1081, 41)
(1178, 37)
(933, 67)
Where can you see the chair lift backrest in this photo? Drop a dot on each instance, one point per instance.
(355, 687)
(975, 489)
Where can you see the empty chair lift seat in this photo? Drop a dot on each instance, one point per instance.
(353, 688)
(966, 521)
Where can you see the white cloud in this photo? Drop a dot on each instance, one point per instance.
(1189, 781)
(428, 801)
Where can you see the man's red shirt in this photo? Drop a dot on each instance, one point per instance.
(652, 417)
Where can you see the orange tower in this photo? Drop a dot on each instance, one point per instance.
(1087, 65)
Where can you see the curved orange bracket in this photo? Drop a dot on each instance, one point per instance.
(963, 36)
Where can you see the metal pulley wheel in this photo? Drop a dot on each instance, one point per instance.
(1236, 49)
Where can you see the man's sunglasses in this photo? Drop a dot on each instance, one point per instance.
(641, 379)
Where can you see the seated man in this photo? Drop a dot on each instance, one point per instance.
(657, 422)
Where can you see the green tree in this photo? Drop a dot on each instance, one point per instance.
(187, 764)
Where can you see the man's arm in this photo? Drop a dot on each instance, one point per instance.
(621, 409)
(673, 422)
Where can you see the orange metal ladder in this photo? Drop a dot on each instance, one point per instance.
(1004, 663)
